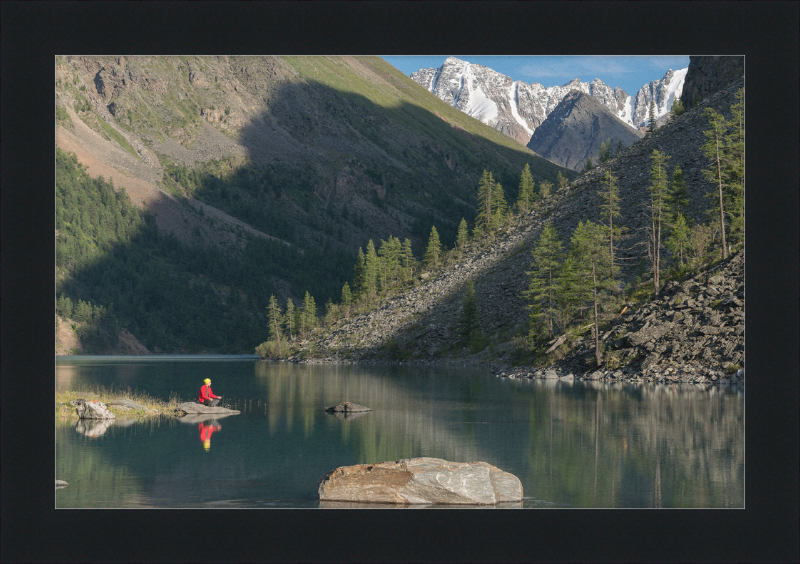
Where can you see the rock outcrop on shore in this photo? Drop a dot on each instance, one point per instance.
(191, 407)
(692, 332)
(92, 409)
(421, 481)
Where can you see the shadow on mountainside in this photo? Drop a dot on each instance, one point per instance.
(422, 323)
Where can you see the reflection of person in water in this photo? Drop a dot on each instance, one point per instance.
(207, 397)
(206, 431)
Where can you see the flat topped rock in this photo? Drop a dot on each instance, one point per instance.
(421, 481)
(193, 407)
(347, 407)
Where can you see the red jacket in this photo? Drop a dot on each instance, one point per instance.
(206, 393)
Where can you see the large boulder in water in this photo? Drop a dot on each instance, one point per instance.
(193, 407)
(92, 410)
(421, 481)
(347, 407)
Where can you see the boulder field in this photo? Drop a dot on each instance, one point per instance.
(421, 481)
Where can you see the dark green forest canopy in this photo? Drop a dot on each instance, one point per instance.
(174, 297)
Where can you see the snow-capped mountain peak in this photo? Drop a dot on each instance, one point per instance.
(517, 108)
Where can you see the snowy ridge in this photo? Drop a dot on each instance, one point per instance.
(517, 108)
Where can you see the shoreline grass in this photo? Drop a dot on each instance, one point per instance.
(155, 407)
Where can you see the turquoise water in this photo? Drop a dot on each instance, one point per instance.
(577, 445)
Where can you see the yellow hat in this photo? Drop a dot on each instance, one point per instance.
(207, 380)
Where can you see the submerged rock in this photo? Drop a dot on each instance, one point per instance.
(347, 407)
(421, 481)
(194, 407)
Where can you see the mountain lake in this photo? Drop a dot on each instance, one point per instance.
(572, 445)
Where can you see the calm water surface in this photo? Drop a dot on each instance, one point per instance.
(578, 445)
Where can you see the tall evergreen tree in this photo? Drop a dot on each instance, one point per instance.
(274, 321)
(500, 206)
(659, 211)
(588, 164)
(433, 251)
(545, 187)
(483, 221)
(588, 245)
(347, 300)
(360, 275)
(734, 147)
(678, 240)
(713, 149)
(610, 209)
(525, 197)
(371, 270)
(288, 320)
(561, 181)
(463, 234)
(309, 312)
(652, 116)
(606, 151)
(545, 281)
(678, 197)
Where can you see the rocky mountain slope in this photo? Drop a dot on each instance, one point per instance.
(319, 154)
(315, 135)
(709, 74)
(575, 130)
(421, 323)
(517, 108)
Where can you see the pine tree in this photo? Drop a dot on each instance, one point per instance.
(288, 320)
(588, 246)
(347, 300)
(468, 319)
(678, 197)
(561, 181)
(526, 185)
(678, 239)
(588, 165)
(545, 282)
(499, 205)
(658, 211)
(713, 149)
(371, 271)
(360, 277)
(677, 109)
(433, 251)
(463, 234)
(652, 117)
(483, 221)
(309, 312)
(610, 209)
(605, 152)
(545, 187)
(620, 146)
(734, 148)
(274, 321)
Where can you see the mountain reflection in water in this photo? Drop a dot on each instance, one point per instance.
(584, 444)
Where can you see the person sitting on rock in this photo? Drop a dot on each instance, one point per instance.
(207, 397)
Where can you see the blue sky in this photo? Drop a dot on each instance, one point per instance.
(629, 72)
